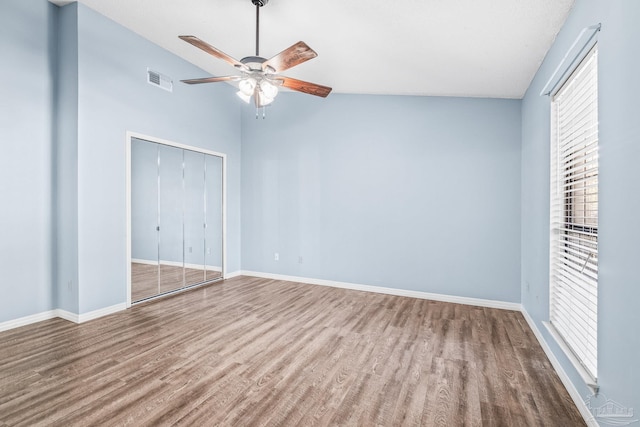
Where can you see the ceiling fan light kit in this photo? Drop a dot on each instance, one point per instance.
(260, 78)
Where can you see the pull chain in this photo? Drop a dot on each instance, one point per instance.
(264, 112)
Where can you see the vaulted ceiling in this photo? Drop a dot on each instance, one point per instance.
(476, 48)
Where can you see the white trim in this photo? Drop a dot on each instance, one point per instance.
(136, 135)
(62, 314)
(565, 67)
(192, 266)
(27, 320)
(390, 291)
(127, 184)
(584, 374)
(224, 214)
(176, 264)
(144, 261)
(67, 315)
(568, 384)
(233, 274)
(85, 317)
(101, 312)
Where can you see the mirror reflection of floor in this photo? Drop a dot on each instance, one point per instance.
(145, 284)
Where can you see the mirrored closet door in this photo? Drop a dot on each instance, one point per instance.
(176, 218)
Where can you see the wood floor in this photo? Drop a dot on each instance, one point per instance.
(249, 351)
(150, 280)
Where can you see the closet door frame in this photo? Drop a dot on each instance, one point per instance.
(129, 137)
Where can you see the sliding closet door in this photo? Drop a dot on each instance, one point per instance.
(214, 224)
(144, 220)
(176, 218)
(194, 217)
(171, 204)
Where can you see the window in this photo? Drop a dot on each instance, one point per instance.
(574, 213)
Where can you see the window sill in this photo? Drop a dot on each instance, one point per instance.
(591, 382)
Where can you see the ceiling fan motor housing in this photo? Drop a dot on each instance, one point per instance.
(259, 3)
(255, 64)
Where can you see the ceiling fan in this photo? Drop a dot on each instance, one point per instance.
(261, 77)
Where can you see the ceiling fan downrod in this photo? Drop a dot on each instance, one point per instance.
(258, 4)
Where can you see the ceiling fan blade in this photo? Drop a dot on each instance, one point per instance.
(306, 87)
(211, 80)
(213, 51)
(290, 57)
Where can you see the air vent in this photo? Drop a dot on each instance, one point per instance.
(160, 80)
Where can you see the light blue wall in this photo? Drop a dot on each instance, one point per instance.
(416, 193)
(27, 45)
(75, 82)
(65, 162)
(114, 97)
(619, 187)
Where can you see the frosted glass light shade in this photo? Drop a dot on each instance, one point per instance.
(268, 89)
(247, 86)
(264, 99)
(246, 98)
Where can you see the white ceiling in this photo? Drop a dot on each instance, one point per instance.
(477, 48)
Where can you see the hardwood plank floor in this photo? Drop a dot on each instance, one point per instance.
(250, 351)
(148, 280)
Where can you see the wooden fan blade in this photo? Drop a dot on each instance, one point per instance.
(211, 80)
(290, 57)
(213, 51)
(306, 87)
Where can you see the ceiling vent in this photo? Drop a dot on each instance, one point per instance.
(160, 80)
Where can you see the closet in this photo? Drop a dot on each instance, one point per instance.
(176, 218)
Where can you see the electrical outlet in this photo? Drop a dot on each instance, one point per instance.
(300, 260)
(527, 287)
(190, 249)
(276, 256)
(70, 285)
(208, 251)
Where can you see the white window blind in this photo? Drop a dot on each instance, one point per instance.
(574, 213)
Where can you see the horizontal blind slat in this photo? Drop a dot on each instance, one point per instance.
(573, 301)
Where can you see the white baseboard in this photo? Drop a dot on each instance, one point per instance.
(62, 314)
(571, 389)
(144, 261)
(389, 291)
(233, 274)
(176, 264)
(85, 317)
(27, 320)
(67, 315)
